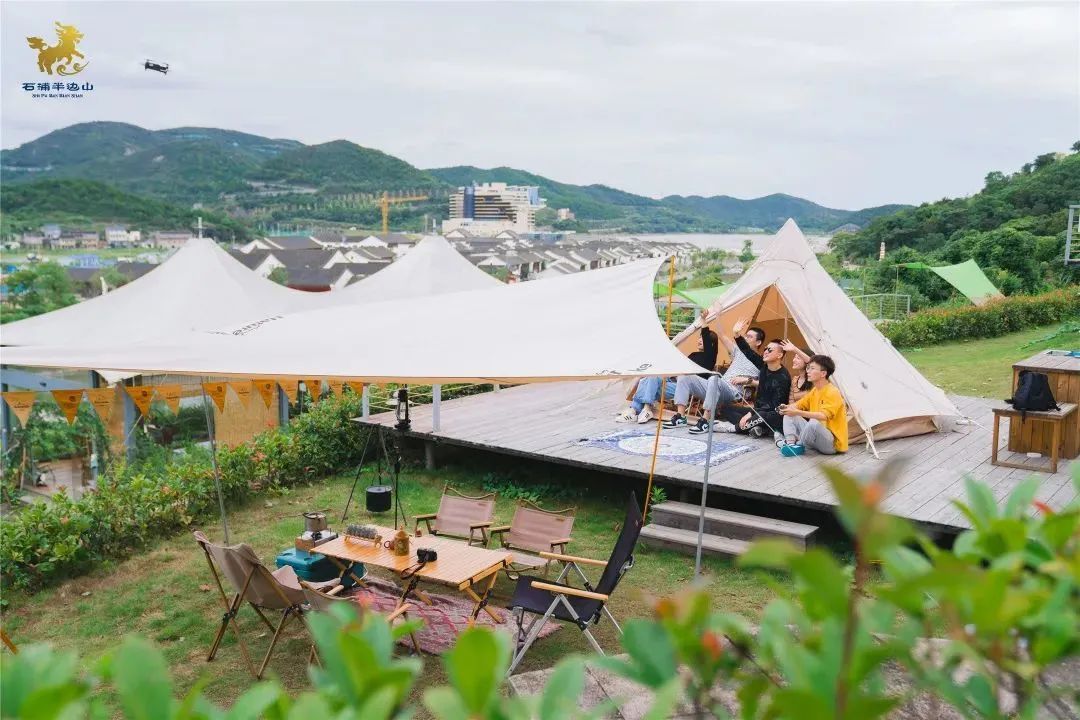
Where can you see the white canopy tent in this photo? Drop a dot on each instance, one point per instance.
(788, 294)
(432, 267)
(600, 324)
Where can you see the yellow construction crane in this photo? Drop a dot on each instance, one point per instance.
(384, 203)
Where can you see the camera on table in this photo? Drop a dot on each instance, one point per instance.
(426, 555)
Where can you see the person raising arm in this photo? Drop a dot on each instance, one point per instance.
(819, 420)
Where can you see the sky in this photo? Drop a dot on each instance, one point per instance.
(847, 104)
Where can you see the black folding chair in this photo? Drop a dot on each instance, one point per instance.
(558, 600)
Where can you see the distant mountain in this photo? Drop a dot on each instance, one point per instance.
(345, 166)
(717, 213)
(771, 211)
(85, 203)
(275, 180)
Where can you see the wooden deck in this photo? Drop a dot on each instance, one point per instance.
(548, 422)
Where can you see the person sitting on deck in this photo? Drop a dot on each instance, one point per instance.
(647, 393)
(738, 374)
(800, 385)
(774, 386)
(819, 420)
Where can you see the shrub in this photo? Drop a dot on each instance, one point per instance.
(139, 502)
(997, 317)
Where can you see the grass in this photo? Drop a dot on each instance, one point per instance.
(983, 368)
(165, 593)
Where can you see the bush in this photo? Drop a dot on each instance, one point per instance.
(997, 317)
(138, 503)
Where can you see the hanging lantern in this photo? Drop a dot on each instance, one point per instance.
(402, 409)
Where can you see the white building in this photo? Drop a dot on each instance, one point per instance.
(564, 214)
(488, 209)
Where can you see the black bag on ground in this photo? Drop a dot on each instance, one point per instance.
(1033, 393)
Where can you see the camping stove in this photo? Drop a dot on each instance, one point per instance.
(311, 539)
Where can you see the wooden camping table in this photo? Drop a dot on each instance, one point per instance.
(460, 566)
(1063, 373)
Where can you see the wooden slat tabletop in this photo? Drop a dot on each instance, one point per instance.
(458, 563)
(1045, 361)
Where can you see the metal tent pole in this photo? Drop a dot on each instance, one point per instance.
(712, 395)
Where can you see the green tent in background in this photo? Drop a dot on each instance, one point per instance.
(701, 297)
(967, 277)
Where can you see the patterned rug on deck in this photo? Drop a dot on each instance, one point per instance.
(444, 619)
(689, 450)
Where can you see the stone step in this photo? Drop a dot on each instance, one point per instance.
(685, 541)
(730, 524)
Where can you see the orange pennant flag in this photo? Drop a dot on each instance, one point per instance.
(336, 386)
(171, 395)
(243, 391)
(266, 390)
(141, 395)
(102, 401)
(314, 388)
(69, 401)
(217, 392)
(357, 387)
(21, 403)
(291, 388)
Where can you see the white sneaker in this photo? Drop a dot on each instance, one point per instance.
(646, 415)
(627, 415)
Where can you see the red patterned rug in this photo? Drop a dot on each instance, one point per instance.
(444, 619)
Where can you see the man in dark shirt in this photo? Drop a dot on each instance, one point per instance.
(774, 385)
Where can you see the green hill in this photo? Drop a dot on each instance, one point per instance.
(771, 211)
(343, 166)
(86, 203)
(1014, 228)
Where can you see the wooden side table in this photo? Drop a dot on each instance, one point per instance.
(1063, 372)
(1056, 419)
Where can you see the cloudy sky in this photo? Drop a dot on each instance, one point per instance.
(848, 104)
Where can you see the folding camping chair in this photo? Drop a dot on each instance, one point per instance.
(255, 584)
(460, 515)
(322, 600)
(567, 603)
(534, 530)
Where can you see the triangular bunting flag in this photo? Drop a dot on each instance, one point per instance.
(314, 388)
(291, 388)
(141, 395)
(242, 390)
(69, 401)
(357, 387)
(21, 403)
(266, 389)
(102, 400)
(217, 392)
(171, 395)
(336, 386)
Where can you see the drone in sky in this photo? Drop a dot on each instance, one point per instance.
(159, 67)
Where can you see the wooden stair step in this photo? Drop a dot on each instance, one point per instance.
(685, 541)
(730, 524)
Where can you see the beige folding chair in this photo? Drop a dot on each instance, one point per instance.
(255, 584)
(534, 530)
(460, 515)
(322, 600)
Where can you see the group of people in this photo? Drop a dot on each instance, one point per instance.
(801, 412)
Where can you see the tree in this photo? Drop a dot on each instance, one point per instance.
(1044, 160)
(280, 275)
(1076, 147)
(993, 178)
(747, 254)
(37, 289)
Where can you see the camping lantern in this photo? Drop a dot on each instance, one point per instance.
(402, 410)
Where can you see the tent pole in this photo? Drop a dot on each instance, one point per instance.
(711, 398)
(663, 389)
(210, 426)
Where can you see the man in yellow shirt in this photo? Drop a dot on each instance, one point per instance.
(819, 420)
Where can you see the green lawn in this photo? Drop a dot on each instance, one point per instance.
(165, 592)
(983, 368)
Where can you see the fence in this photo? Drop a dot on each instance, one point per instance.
(883, 306)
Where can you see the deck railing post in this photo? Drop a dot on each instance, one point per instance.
(365, 403)
(436, 400)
